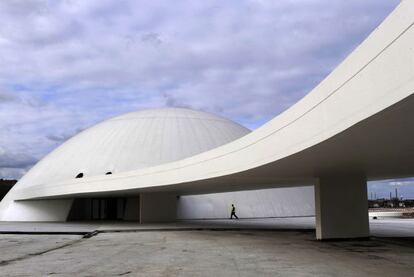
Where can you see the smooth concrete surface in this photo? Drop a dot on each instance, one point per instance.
(132, 209)
(43, 210)
(278, 202)
(390, 227)
(202, 253)
(341, 207)
(158, 207)
(386, 214)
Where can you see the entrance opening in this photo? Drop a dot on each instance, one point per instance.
(98, 209)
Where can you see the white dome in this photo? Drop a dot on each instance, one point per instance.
(132, 141)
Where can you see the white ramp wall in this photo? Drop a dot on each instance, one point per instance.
(279, 202)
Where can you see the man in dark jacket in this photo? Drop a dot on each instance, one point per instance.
(233, 212)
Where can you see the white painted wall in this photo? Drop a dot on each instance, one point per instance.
(38, 210)
(280, 202)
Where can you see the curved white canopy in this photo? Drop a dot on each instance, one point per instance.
(359, 119)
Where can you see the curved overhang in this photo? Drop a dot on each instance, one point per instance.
(359, 119)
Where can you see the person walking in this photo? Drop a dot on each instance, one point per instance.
(233, 212)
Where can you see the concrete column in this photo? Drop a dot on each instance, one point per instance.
(341, 206)
(158, 207)
(132, 207)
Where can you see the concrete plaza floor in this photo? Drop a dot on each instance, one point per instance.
(383, 227)
(267, 247)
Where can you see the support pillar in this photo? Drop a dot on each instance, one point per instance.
(132, 207)
(157, 207)
(341, 207)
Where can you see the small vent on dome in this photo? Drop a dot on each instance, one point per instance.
(80, 175)
(108, 173)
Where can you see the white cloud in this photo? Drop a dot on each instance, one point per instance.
(68, 64)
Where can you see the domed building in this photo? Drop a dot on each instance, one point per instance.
(128, 142)
(133, 141)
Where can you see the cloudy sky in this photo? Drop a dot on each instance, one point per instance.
(66, 65)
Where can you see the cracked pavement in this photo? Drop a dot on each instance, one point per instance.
(202, 253)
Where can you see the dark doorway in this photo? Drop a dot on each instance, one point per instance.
(97, 209)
